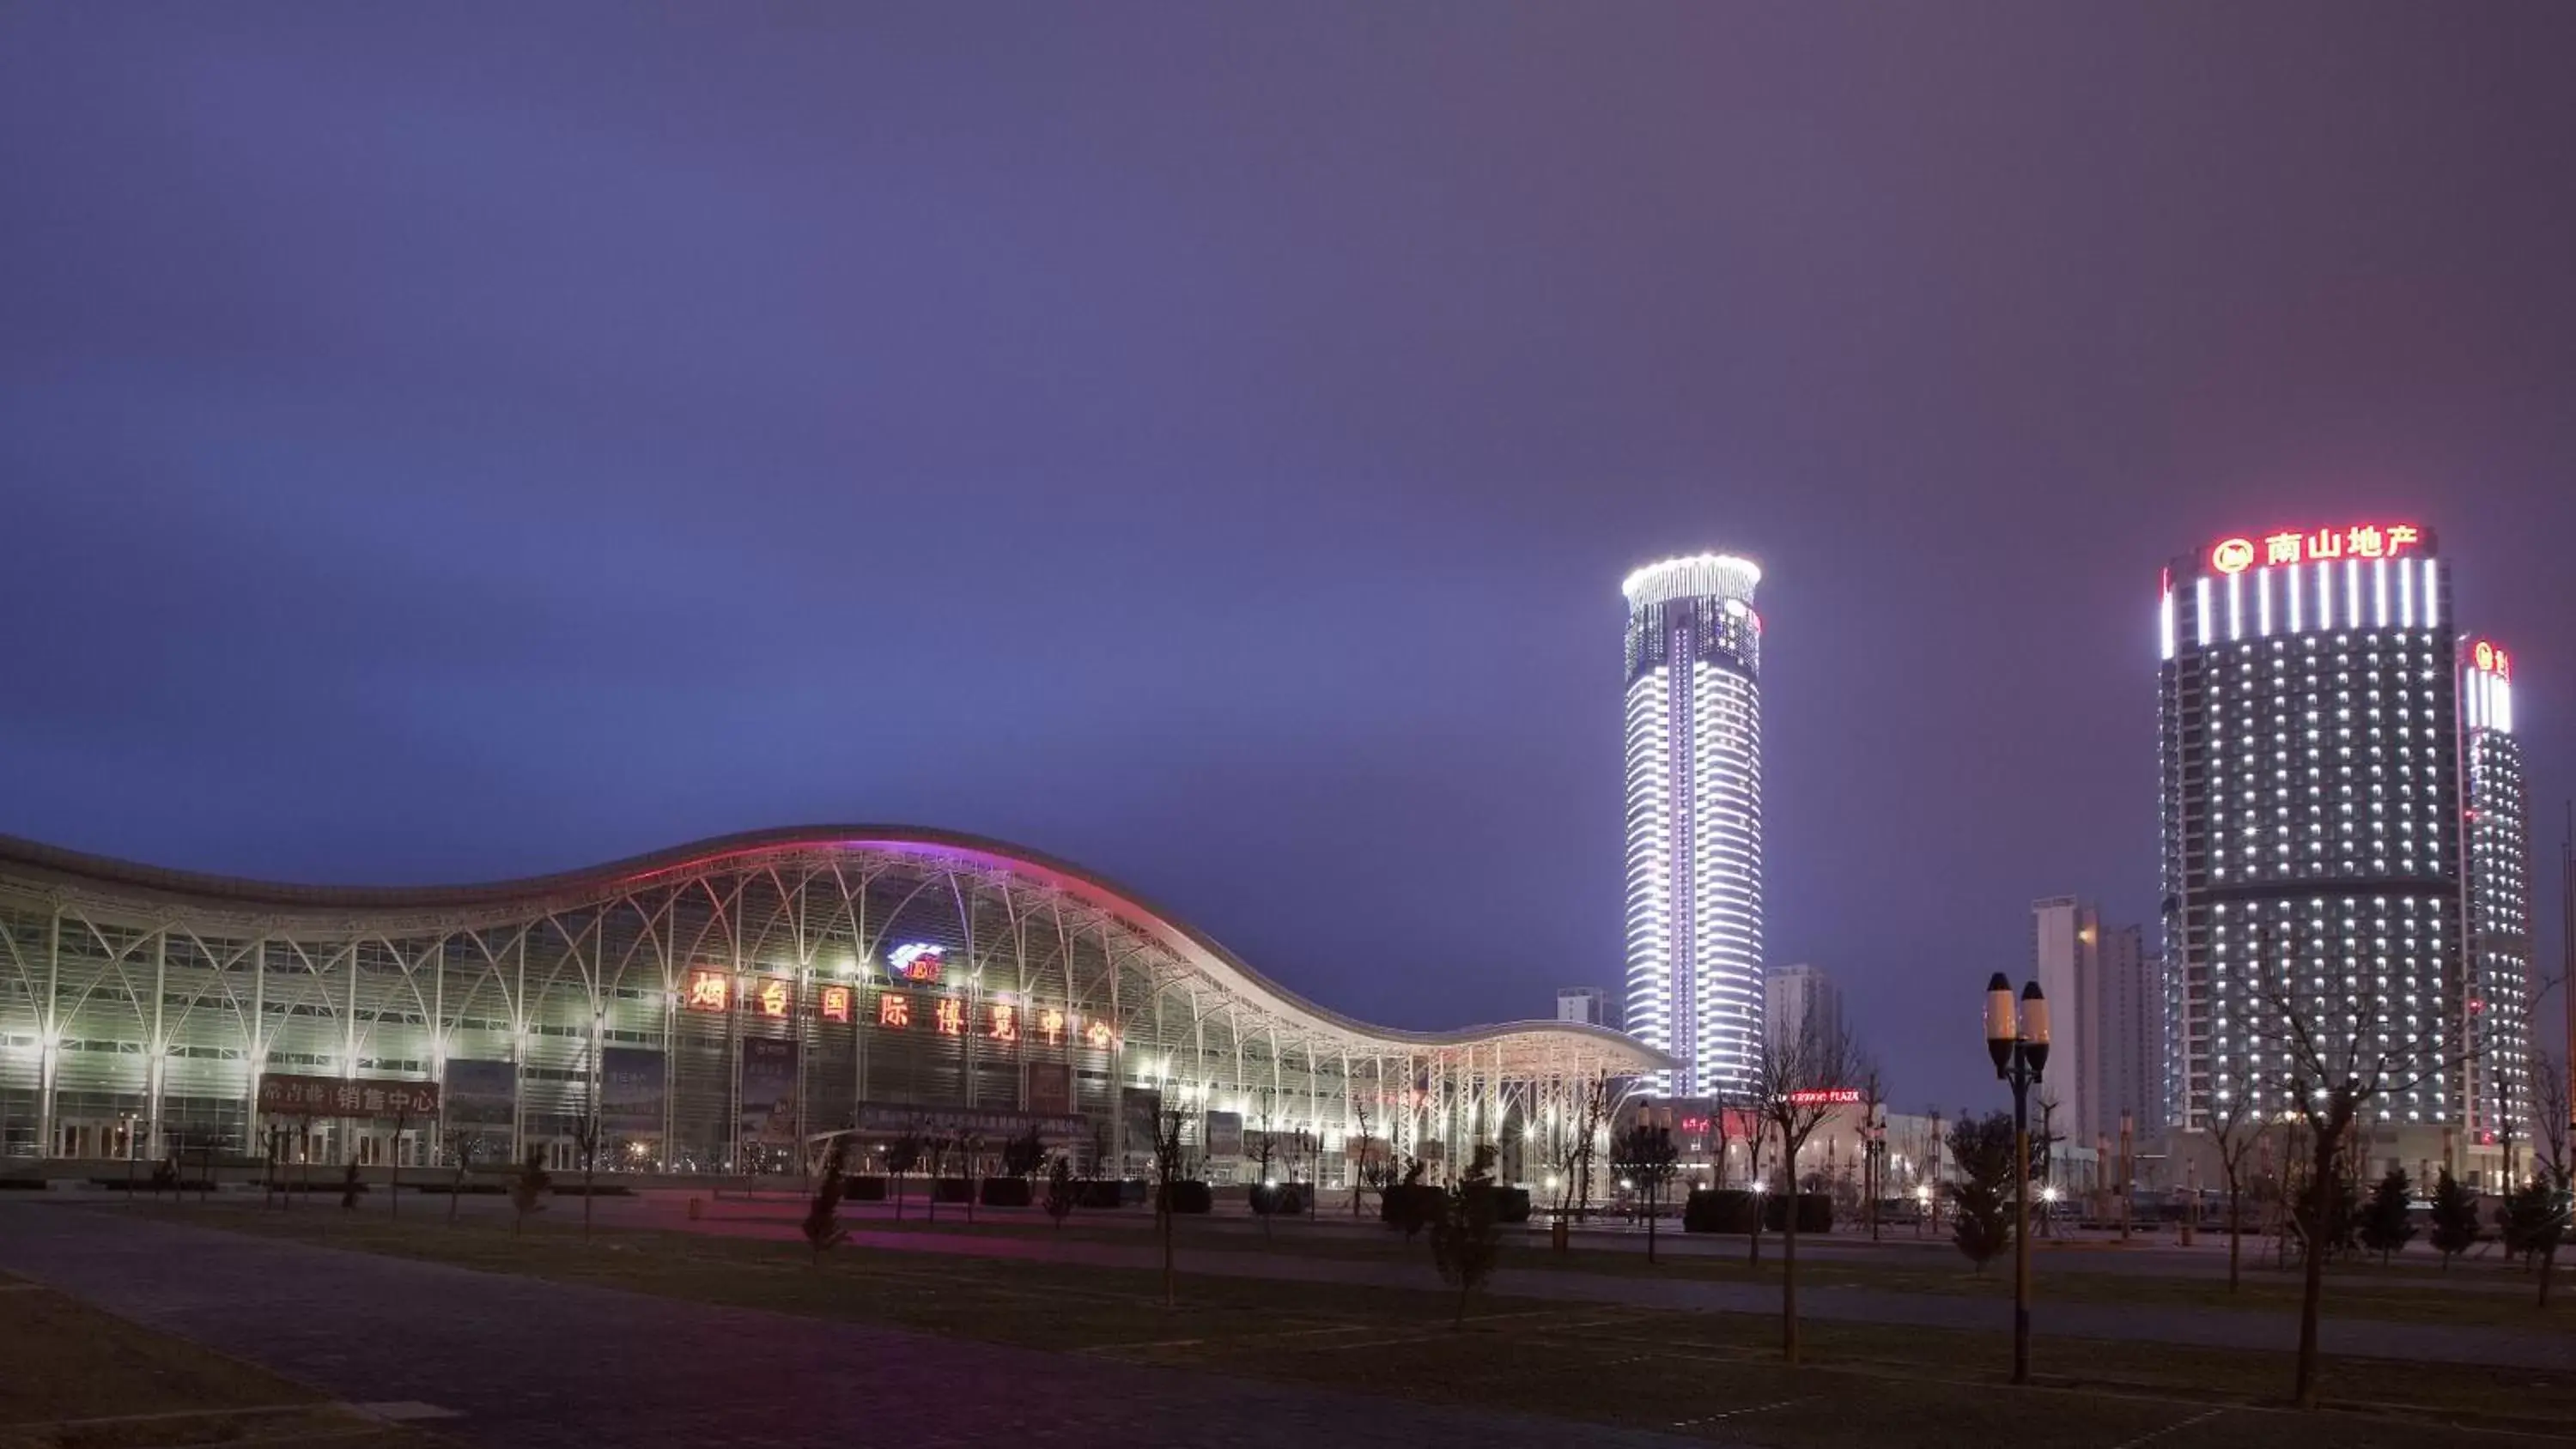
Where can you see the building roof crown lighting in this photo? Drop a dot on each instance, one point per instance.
(1697, 576)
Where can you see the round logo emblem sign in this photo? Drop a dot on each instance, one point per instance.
(2234, 556)
(2486, 656)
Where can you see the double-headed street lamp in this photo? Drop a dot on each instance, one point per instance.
(2019, 1044)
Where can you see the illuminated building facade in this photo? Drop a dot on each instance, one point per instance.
(2498, 830)
(709, 1006)
(1693, 742)
(2312, 741)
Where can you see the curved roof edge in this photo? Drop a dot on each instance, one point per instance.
(1201, 950)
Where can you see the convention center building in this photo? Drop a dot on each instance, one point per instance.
(711, 1007)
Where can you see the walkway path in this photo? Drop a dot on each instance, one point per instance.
(528, 1364)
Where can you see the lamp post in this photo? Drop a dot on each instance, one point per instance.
(2018, 1042)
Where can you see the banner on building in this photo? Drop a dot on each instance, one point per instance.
(1139, 1111)
(632, 1081)
(769, 1092)
(1051, 1089)
(285, 1094)
(480, 1093)
(1225, 1134)
(993, 1126)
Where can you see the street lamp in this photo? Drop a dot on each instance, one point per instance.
(2019, 1045)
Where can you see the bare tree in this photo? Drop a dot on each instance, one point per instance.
(1360, 1163)
(1585, 1147)
(1263, 1196)
(2340, 1049)
(585, 1142)
(1873, 1138)
(2550, 1082)
(1305, 1146)
(460, 1155)
(1758, 1123)
(1797, 1078)
(2235, 1129)
(1171, 1167)
(903, 1158)
(1644, 1156)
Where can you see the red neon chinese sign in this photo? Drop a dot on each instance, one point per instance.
(2489, 659)
(1824, 1097)
(951, 1015)
(709, 991)
(1097, 1034)
(894, 1011)
(773, 997)
(2360, 540)
(835, 1004)
(1005, 1025)
(1051, 1026)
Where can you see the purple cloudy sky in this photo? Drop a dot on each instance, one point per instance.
(1204, 442)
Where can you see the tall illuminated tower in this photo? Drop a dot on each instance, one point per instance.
(1694, 856)
(2498, 831)
(2311, 742)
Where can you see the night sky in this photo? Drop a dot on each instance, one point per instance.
(1205, 442)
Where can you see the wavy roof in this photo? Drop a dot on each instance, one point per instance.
(103, 878)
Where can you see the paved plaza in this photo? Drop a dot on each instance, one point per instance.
(525, 1363)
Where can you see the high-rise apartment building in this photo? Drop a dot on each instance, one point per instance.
(2497, 825)
(1801, 1000)
(2313, 750)
(1694, 831)
(2106, 997)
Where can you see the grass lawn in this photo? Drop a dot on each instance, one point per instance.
(2479, 1293)
(72, 1377)
(1717, 1375)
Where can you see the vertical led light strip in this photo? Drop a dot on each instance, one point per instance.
(2352, 593)
(2379, 593)
(2165, 624)
(2263, 602)
(2235, 607)
(2290, 591)
(2325, 596)
(2405, 597)
(2504, 706)
(2432, 593)
(2200, 609)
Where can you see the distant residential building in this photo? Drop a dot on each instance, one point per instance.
(1801, 999)
(1589, 1005)
(2107, 1007)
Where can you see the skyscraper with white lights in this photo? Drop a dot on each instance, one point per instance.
(2497, 830)
(2343, 826)
(1694, 832)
